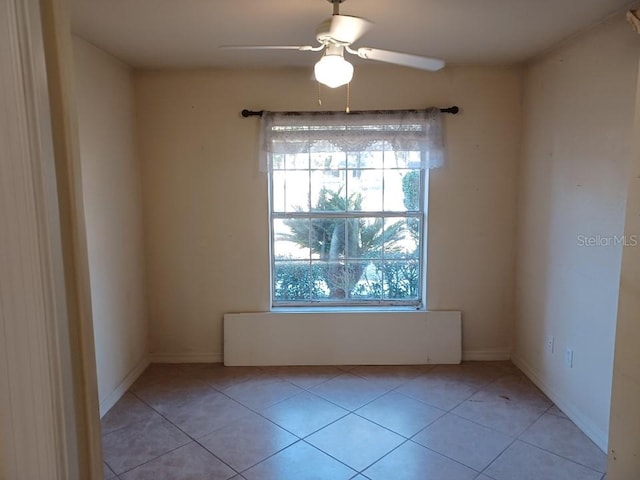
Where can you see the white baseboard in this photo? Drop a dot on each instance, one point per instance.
(132, 376)
(596, 434)
(488, 355)
(186, 358)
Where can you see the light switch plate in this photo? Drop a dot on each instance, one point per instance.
(568, 357)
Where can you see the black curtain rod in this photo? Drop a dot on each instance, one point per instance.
(258, 113)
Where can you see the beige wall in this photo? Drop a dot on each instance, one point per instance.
(113, 214)
(579, 107)
(205, 202)
(624, 438)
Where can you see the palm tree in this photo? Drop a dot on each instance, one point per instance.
(335, 240)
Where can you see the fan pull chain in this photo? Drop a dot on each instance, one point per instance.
(319, 98)
(348, 109)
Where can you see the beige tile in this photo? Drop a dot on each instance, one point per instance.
(304, 376)
(159, 370)
(554, 410)
(190, 462)
(164, 394)
(107, 473)
(400, 413)
(438, 392)
(205, 414)
(390, 376)
(475, 374)
(157, 373)
(509, 405)
(187, 395)
(304, 414)
(136, 444)
(466, 442)
(247, 441)
(346, 368)
(221, 377)
(526, 462)
(300, 461)
(560, 436)
(505, 416)
(413, 462)
(198, 370)
(501, 369)
(259, 394)
(516, 388)
(355, 441)
(349, 391)
(126, 411)
(505, 365)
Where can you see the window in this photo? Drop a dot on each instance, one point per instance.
(347, 207)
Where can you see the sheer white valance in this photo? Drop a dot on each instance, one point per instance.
(396, 130)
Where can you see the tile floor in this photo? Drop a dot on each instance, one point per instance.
(475, 421)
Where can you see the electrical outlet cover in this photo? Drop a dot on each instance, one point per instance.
(550, 343)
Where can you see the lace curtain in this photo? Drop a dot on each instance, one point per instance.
(400, 131)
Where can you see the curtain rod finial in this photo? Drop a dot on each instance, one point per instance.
(251, 113)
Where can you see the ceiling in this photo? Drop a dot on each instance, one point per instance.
(186, 33)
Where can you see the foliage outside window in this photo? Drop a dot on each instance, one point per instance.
(347, 210)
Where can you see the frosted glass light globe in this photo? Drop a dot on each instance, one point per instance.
(333, 71)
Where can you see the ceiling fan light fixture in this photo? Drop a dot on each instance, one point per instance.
(333, 70)
(335, 36)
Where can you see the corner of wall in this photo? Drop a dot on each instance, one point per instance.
(121, 389)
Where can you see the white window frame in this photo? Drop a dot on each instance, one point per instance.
(348, 304)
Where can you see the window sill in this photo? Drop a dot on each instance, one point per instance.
(342, 309)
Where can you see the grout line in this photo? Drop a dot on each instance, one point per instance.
(517, 437)
(334, 458)
(549, 451)
(299, 439)
(284, 428)
(185, 433)
(448, 457)
(264, 459)
(497, 457)
(161, 414)
(561, 456)
(358, 471)
(154, 458)
(295, 443)
(342, 406)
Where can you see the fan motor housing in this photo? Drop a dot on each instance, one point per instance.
(323, 33)
(342, 29)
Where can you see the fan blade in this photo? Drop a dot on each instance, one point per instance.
(633, 17)
(398, 58)
(343, 29)
(302, 48)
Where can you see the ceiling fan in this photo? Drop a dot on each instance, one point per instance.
(335, 36)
